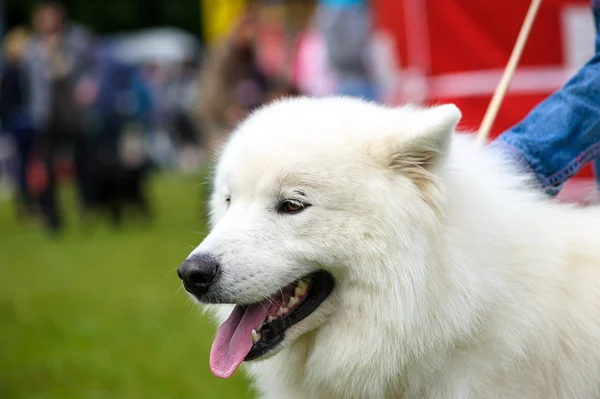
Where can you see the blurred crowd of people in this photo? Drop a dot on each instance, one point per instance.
(73, 107)
(337, 53)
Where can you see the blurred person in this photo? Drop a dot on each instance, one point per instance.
(57, 62)
(14, 112)
(384, 66)
(231, 83)
(346, 25)
(562, 134)
(144, 106)
(180, 98)
(116, 165)
(312, 73)
(155, 80)
(271, 44)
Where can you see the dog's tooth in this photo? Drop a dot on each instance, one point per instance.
(293, 300)
(255, 336)
(270, 319)
(301, 288)
(282, 311)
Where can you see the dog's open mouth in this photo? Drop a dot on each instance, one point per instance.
(251, 331)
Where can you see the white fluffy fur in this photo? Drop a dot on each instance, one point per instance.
(453, 280)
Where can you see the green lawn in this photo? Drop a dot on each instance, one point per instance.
(98, 314)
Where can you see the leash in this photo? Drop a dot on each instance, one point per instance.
(509, 70)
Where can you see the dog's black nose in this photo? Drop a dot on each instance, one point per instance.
(198, 272)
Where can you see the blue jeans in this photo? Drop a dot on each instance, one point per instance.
(562, 134)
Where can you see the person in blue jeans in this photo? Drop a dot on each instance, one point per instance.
(562, 134)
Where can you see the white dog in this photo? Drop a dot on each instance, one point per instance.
(373, 253)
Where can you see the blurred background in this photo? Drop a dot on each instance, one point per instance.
(111, 113)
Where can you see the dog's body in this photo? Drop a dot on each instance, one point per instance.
(452, 280)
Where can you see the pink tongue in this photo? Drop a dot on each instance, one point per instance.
(234, 339)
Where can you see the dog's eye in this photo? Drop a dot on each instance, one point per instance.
(292, 206)
(228, 199)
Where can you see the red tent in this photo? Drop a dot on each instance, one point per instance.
(455, 51)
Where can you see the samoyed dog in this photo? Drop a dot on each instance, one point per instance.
(363, 251)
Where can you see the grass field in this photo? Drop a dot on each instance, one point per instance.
(98, 314)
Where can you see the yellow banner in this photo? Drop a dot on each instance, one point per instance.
(219, 17)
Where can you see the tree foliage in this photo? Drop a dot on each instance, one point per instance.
(117, 16)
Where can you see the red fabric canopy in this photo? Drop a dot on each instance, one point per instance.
(455, 51)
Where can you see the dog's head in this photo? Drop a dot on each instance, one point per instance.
(306, 193)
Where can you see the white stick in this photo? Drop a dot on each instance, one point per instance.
(511, 66)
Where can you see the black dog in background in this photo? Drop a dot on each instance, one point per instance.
(117, 188)
(118, 166)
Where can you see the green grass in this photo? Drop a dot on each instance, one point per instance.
(98, 314)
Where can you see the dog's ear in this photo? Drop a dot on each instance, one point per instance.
(426, 145)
